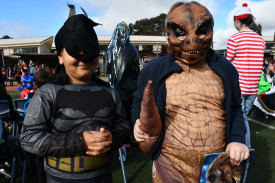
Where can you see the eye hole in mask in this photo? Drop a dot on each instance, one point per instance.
(77, 51)
(179, 32)
(203, 29)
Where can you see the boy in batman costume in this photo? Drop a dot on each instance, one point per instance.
(76, 120)
(188, 103)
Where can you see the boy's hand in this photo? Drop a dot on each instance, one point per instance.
(238, 152)
(139, 135)
(97, 143)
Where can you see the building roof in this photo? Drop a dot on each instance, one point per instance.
(140, 38)
(135, 39)
(14, 42)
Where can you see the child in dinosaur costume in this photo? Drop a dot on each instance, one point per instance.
(188, 103)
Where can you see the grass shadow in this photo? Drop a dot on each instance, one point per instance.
(261, 139)
(137, 166)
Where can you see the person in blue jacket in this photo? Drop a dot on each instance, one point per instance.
(197, 95)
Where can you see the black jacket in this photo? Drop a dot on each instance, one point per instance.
(159, 69)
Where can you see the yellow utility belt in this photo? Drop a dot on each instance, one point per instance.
(76, 164)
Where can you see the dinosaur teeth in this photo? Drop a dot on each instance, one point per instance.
(191, 52)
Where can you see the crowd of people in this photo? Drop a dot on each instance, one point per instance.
(9, 146)
(19, 71)
(185, 104)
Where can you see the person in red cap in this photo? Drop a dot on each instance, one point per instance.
(245, 50)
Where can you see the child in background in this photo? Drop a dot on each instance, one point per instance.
(24, 72)
(28, 84)
(265, 100)
(245, 49)
(3, 70)
(40, 78)
(76, 120)
(36, 69)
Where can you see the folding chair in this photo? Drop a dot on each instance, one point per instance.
(5, 114)
(4, 109)
(19, 106)
(122, 164)
(2, 141)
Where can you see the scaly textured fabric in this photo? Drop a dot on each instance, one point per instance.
(194, 124)
(161, 68)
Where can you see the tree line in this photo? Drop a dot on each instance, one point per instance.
(155, 26)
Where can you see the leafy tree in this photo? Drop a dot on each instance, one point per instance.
(152, 26)
(6, 37)
(257, 28)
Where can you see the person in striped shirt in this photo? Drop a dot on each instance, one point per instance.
(245, 50)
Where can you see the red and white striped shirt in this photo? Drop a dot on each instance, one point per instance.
(245, 50)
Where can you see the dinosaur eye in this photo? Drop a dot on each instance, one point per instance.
(180, 33)
(178, 30)
(203, 29)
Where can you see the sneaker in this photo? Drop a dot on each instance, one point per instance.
(5, 172)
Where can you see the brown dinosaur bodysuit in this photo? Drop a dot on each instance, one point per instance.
(194, 124)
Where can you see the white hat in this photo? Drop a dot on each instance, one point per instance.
(242, 12)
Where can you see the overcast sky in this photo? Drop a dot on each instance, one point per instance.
(31, 18)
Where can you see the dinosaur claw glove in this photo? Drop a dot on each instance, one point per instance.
(150, 120)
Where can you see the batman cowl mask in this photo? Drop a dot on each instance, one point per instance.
(78, 37)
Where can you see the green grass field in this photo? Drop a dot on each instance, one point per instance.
(14, 95)
(263, 167)
(263, 140)
(138, 167)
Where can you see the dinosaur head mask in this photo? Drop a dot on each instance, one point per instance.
(189, 31)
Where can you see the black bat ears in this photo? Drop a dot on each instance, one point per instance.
(72, 10)
(84, 12)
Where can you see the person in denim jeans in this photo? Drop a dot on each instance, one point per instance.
(245, 49)
(247, 103)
